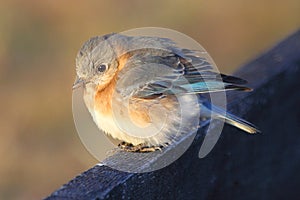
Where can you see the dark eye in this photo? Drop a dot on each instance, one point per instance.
(102, 68)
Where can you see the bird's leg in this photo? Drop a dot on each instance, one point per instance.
(140, 148)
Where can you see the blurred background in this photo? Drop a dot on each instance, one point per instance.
(39, 146)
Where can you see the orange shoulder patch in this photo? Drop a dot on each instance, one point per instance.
(123, 60)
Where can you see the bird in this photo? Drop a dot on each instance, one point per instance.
(147, 92)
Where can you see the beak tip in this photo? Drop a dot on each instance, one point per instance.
(74, 87)
(78, 83)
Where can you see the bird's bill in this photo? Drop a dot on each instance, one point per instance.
(78, 83)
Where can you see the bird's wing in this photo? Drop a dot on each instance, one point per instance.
(150, 74)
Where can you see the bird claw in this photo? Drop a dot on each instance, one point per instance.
(140, 148)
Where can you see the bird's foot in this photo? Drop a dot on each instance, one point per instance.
(140, 148)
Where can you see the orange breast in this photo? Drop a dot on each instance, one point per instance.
(103, 97)
(103, 100)
(138, 113)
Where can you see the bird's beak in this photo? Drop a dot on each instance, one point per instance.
(78, 83)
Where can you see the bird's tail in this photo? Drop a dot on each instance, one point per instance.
(240, 123)
(232, 119)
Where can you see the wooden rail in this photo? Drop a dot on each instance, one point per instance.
(241, 166)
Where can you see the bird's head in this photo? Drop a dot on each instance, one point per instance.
(96, 62)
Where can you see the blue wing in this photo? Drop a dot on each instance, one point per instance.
(186, 73)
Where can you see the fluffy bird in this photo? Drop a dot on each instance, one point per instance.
(146, 92)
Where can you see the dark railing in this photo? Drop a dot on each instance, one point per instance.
(241, 166)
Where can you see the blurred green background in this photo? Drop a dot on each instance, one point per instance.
(39, 146)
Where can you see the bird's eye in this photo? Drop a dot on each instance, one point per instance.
(102, 67)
